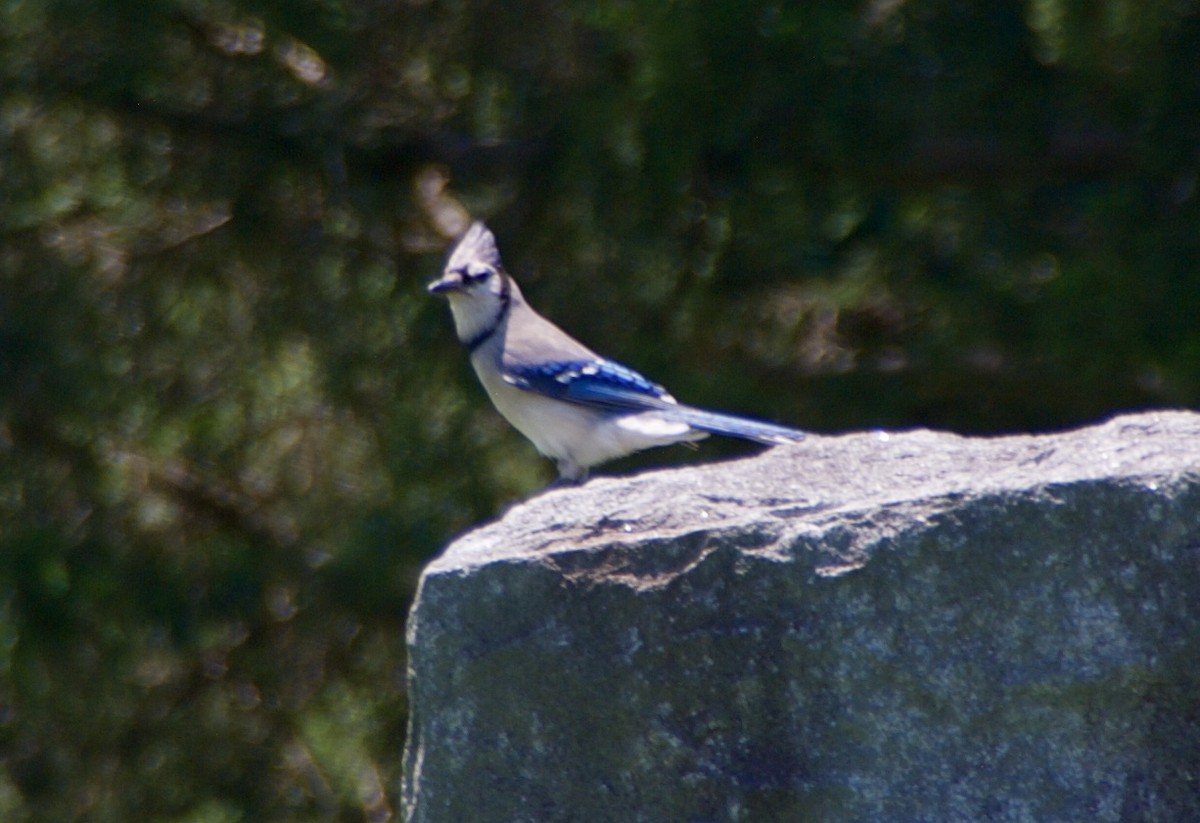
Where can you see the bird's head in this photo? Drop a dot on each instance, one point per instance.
(475, 283)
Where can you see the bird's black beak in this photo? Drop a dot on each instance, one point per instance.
(451, 281)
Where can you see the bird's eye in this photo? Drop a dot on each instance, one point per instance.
(477, 273)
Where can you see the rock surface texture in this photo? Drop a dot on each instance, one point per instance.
(904, 627)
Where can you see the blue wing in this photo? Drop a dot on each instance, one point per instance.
(604, 384)
(598, 383)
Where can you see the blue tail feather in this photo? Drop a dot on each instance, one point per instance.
(731, 426)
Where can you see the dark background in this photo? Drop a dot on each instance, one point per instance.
(233, 426)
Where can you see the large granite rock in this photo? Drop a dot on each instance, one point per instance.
(900, 627)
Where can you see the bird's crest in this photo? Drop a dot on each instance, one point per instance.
(477, 245)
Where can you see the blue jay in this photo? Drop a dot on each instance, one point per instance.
(578, 408)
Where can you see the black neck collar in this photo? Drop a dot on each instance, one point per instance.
(476, 340)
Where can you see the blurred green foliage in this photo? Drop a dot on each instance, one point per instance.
(232, 426)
